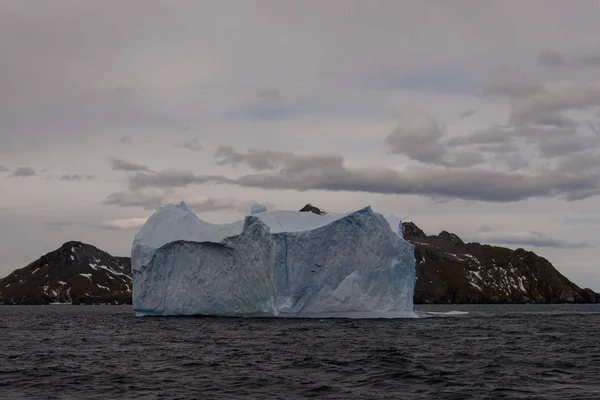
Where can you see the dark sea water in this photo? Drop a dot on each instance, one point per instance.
(493, 352)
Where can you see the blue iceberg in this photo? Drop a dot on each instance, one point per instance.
(273, 264)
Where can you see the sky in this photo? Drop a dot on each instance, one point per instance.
(480, 118)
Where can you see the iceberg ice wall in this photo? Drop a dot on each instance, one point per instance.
(285, 264)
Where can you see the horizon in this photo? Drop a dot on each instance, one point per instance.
(485, 124)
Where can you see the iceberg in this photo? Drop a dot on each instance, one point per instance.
(273, 264)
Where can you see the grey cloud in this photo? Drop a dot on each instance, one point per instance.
(494, 135)
(147, 199)
(58, 226)
(501, 148)
(552, 141)
(228, 155)
(512, 89)
(77, 177)
(582, 219)
(580, 162)
(582, 194)
(170, 178)
(555, 146)
(467, 113)
(3, 169)
(417, 137)
(589, 60)
(534, 239)
(556, 120)
(468, 184)
(192, 144)
(270, 95)
(263, 160)
(514, 161)
(557, 97)
(23, 172)
(465, 159)
(550, 58)
(125, 139)
(124, 165)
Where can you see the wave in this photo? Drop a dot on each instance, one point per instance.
(454, 312)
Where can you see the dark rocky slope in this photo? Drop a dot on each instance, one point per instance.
(74, 273)
(451, 271)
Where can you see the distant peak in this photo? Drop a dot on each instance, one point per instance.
(450, 237)
(410, 229)
(310, 208)
(71, 245)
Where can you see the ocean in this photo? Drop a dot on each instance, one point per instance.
(453, 352)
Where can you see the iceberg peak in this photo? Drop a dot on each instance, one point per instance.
(182, 206)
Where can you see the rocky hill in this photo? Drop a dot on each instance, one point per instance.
(75, 273)
(451, 271)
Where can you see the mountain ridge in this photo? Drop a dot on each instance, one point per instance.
(448, 271)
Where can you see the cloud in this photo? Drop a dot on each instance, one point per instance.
(511, 89)
(147, 199)
(58, 226)
(77, 177)
(531, 238)
(466, 114)
(557, 145)
(192, 144)
(580, 162)
(122, 224)
(514, 161)
(557, 96)
(262, 160)
(460, 183)
(551, 141)
(124, 165)
(23, 172)
(593, 219)
(417, 136)
(464, 159)
(589, 60)
(171, 178)
(550, 58)
(500, 148)
(467, 184)
(3, 169)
